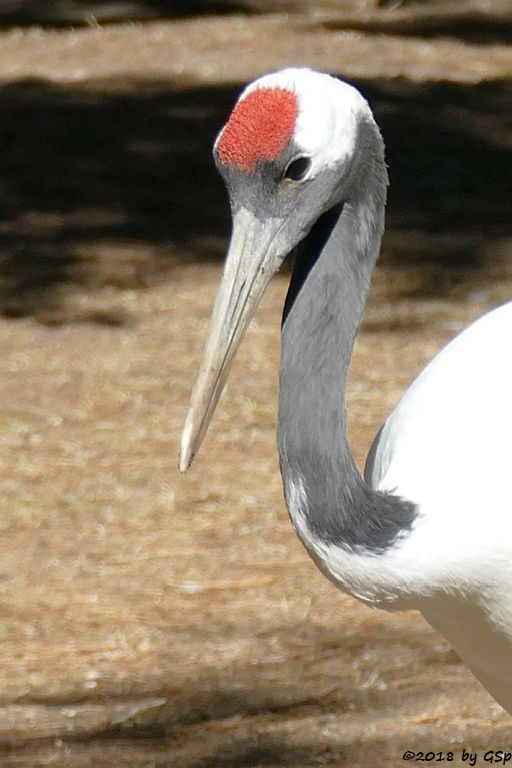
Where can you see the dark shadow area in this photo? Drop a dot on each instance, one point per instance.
(231, 728)
(115, 184)
(450, 164)
(409, 18)
(470, 25)
(253, 712)
(95, 187)
(249, 752)
(63, 13)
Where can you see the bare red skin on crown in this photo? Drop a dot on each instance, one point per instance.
(259, 128)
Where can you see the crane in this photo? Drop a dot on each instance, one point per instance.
(429, 527)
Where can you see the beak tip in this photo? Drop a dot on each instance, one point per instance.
(184, 462)
(186, 453)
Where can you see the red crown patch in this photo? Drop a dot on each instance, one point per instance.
(259, 128)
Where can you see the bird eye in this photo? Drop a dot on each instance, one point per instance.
(297, 169)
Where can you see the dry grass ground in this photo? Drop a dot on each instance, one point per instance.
(149, 619)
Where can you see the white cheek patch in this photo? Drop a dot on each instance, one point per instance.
(330, 110)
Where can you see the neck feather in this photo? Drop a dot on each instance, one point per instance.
(322, 314)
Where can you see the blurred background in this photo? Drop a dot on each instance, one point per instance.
(149, 619)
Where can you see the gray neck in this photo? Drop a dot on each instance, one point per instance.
(322, 313)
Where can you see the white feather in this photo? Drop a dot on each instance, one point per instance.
(456, 565)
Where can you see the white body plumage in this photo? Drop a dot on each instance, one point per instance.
(456, 564)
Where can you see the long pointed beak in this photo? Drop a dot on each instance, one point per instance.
(251, 261)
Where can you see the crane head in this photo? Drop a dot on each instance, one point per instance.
(288, 153)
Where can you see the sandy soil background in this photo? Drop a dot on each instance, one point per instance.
(149, 619)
